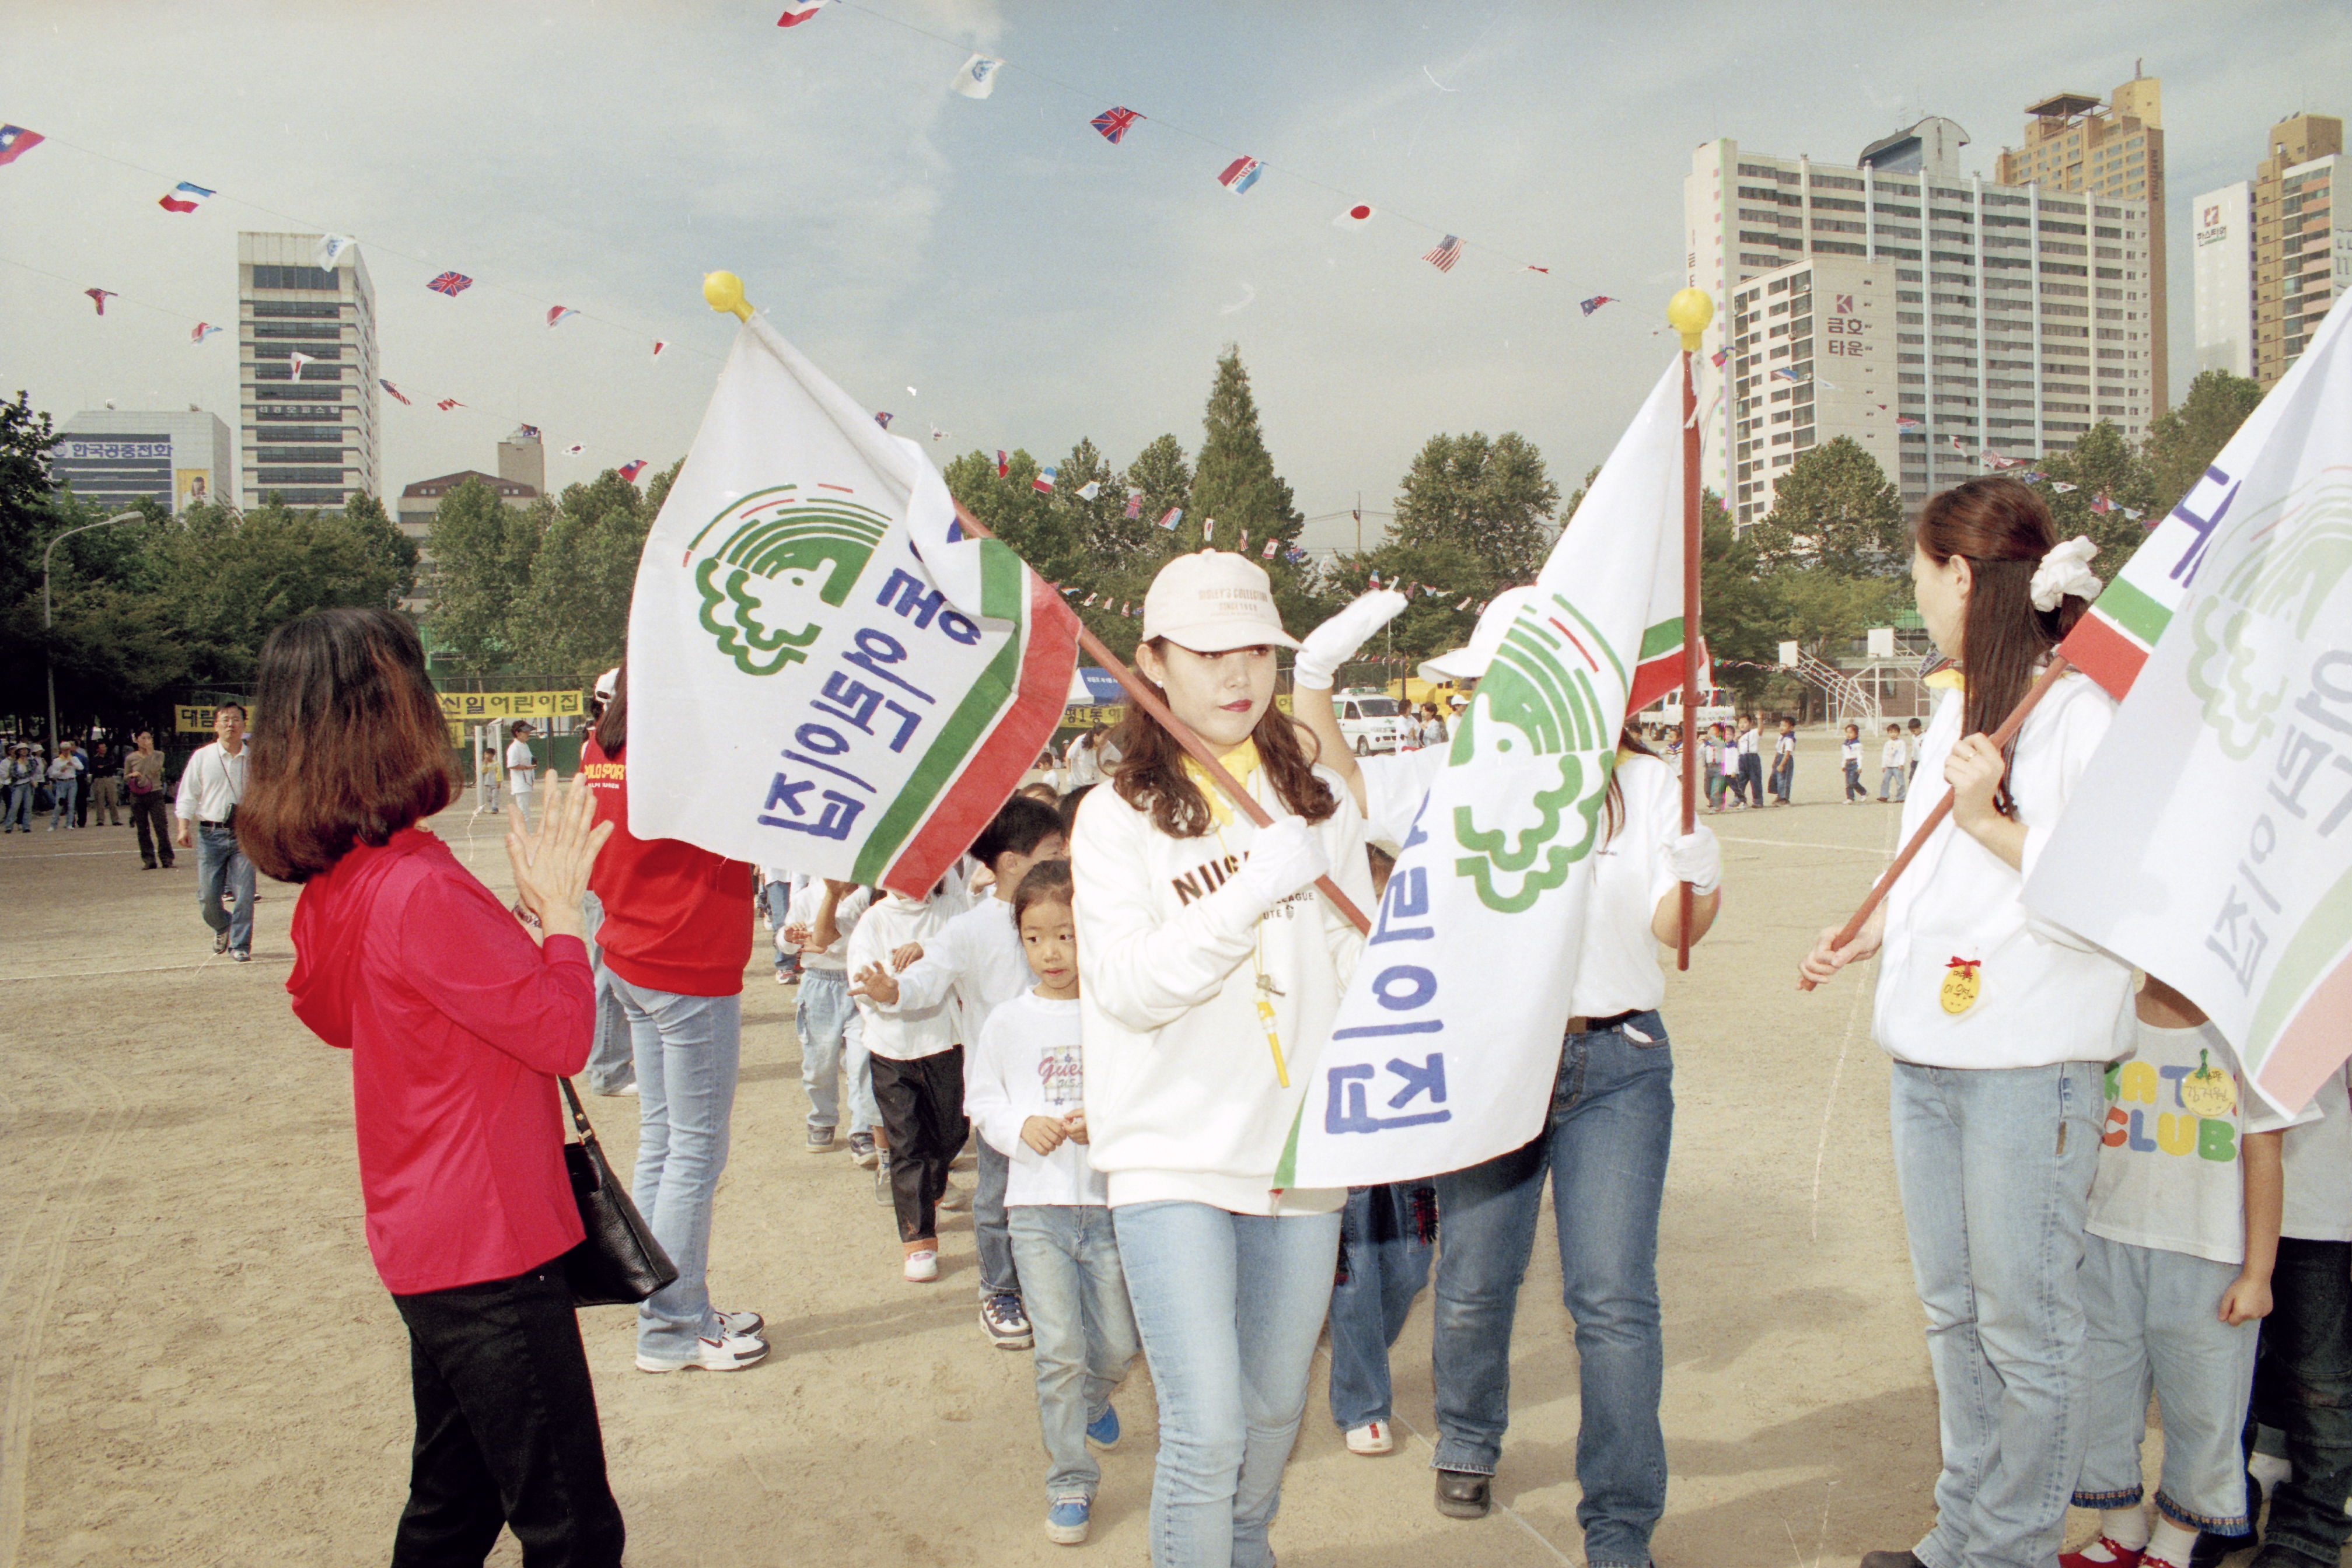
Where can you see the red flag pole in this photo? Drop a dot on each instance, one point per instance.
(2001, 739)
(1689, 313)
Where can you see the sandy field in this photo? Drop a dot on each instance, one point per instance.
(202, 1368)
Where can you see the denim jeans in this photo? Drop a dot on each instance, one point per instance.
(1229, 1306)
(1612, 1116)
(20, 808)
(2152, 1323)
(778, 898)
(506, 1429)
(66, 792)
(612, 1064)
(688, 1049)
(1085, 1328)
(2302, 1386)
(1995, 1168)
(221, 865)
(1385, 1236)
(1784, 777)
(1894, 783)
(998, 1271)
(831, 1036)
(1853, 780)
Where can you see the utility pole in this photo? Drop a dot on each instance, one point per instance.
(48, 653)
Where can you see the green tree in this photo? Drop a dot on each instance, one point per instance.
(1234, 484)
(1162, 472)
(482, 551)
(1820, 609)
(571, 621)
(1835, 509)
(1737, 609)
(1491, 498)
(2101, 463)
(2183, 441)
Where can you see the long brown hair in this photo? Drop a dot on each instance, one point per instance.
(349, 747)
(2003, 530)
(612, 731)
(1151, 775)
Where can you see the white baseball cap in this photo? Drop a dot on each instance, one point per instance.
(1213, 602)
(609, 683)
(1469, 664)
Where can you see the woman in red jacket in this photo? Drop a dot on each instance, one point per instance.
(458, 1026)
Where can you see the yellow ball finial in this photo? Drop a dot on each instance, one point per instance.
(1689, 312)
(724, 290)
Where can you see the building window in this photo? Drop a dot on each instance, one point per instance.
(302, 476)
(297, 277)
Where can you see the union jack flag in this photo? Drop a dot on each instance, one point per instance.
(1114, 123)
(452, 284)
(1444, 253)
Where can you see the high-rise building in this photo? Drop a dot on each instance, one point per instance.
(2113, 151)
(522, 459)
(2273, 252)
(311, 439)
(1989, 314)
(2225, 280)
(113, 456)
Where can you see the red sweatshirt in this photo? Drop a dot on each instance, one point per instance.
(677, 919)
(456, 1024)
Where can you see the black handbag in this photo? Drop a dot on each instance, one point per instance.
(618, 1263)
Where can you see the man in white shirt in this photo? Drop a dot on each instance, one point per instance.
(210, 787)
(522, 770)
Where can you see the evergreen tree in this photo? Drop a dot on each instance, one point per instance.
(1490, 498)
(1835, 509)
(1235, 484)
(571, 621)
(2101, 463)
(482, 551)
(2183, 441)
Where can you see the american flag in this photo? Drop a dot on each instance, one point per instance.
(392, 389)
(452, 284)
(1114, 123)
(446, 404)
(1446, 254)
(1595, 303)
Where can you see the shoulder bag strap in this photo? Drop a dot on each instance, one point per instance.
(579, 1117)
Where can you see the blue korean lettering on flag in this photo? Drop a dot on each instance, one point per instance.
(824, 671)
(1431, 1066)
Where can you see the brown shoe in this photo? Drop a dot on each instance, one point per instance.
(1891, 1560)
(1464, 1494)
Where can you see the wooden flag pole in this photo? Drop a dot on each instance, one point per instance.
(1689, 312)
(2000, 738)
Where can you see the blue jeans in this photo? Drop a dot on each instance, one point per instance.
(778, 898)
(65, 794)
(1385, 1236)
(20, 808)
(222, 866)
(831, 1034)
(1894, 783)
(612, 1066)
(1229, 1306)
(1085, 1328)
(998, 1272)
(1612, 1117)
(2153, 1322)
(1995, 1168)
(688, 1049)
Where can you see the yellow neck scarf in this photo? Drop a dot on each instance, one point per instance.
(1240, 762)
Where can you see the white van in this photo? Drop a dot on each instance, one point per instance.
(1715, 707)
(1372, 721)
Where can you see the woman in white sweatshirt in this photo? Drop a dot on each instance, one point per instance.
(2001, 1028)
(1212, 969)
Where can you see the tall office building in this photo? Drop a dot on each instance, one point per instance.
(1989, 314)
(311, 439)
(522, 459)
(2224, 269)
(113, 458)
(2113, 151)
(2273, 252)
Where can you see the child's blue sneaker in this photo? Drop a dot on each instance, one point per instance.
(1065, 1521)
(1103, 1430)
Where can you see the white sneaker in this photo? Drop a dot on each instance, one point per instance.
(922, 1267)
(1371, 1438)
(732, 1353)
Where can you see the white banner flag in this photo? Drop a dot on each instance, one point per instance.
(1432, 1065)
(823, 672)
(2209, 841)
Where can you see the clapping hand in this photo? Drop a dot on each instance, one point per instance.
(550, 865)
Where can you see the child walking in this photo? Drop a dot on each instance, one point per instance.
(2184, 1234)
(916, 1056)
(825, 1017)
(1025, 1092)
(1850, 755)
(1894, 772)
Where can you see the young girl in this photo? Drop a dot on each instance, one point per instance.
(1727, 768)
(2000, 1027)
(1212, 971)
(917, 1059)
(1026, 1094)
(1849, 753)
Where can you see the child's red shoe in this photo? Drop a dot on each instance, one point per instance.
(2117, 1556)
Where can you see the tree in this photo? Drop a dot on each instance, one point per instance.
(2100, 463)
(2184, 441)
(571, 621)
(1234, 484)
(1835, 509)
(1736, 609)
(482, 551)
(1491, 498)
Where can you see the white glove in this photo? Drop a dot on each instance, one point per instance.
(1698, 859)
(1334, 642)
(1283, 859)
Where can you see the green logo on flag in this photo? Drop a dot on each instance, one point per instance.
(764, 589)
(1531, 704)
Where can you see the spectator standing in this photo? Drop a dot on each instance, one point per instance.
(1850, 755)
(457, 1027)
(210, 787)
(1750, 787)
(522, 770)
(23, 776)
(142, 778)
(1894, 767)
(1784, 761)
(65, 785)
(105, 791)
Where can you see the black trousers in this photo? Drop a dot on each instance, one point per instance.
(2302, 1386)
(505, 1429)
(152, 819)
(921, 1103)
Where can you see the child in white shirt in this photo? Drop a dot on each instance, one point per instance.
(1850, 754)
(825, 1017)
(1025, 1094)
(1894, 767)
(918, 1064)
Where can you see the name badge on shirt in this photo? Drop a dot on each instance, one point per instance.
(1961, 984)
(2209, 1090)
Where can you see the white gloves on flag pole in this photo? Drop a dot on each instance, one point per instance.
(1282, 858)
(1336, 642)
(1698, 859)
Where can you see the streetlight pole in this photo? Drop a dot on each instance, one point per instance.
(48, 650)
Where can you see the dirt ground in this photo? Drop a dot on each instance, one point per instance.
(202, 1368)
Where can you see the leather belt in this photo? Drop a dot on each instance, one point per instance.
(1597, 1026)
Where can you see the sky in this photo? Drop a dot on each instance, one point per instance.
(996, 269)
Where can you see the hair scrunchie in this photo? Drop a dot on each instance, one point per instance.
(2066, 570)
